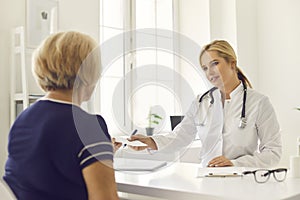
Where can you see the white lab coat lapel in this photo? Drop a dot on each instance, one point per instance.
(211, 134)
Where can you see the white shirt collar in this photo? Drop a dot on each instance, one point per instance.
(56, 100)
(238, 89)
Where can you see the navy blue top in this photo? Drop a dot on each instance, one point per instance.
(49, 145)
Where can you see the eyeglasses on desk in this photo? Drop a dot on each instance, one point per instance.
(263, 175)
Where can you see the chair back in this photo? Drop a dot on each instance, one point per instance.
(5, 191)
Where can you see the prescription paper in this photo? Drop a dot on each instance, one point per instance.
(123, 140)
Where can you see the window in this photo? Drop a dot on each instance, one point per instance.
(141, 69)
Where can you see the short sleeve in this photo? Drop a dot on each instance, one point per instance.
(96, 141)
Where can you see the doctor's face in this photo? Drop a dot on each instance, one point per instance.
(217, 70)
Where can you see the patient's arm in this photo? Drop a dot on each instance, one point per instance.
(100, 181)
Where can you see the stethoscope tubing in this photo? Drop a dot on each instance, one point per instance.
(243, 120)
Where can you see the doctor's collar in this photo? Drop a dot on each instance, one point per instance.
(238, 89)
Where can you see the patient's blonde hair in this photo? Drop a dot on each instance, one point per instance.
(58, 60)
(224, 50)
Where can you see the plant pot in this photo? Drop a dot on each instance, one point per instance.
(149, 131)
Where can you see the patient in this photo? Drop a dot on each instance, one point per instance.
(56, 149)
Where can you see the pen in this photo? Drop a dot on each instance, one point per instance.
(133, 133)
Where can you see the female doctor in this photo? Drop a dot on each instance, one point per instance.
(236, 125)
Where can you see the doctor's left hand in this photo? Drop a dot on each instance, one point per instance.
(220, 161)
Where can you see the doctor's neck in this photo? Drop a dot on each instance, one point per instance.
(228, 87)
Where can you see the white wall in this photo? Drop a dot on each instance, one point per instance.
(268, 41)
(246, 26)
(191, 12)
(11, 14)
(80, 15)
(278, 73)
(223, 20)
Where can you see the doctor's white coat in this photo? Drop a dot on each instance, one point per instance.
(257, 145)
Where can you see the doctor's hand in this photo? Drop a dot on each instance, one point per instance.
(144, 139)
(220, 161)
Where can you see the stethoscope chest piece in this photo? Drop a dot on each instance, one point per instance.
(243, 123)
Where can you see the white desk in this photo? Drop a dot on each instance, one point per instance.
(178, 181)
(190, 154)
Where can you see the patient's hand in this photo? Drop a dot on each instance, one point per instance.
(116, 145)
(144, 139)
(220, 161)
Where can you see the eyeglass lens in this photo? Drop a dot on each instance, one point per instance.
(261, 176)
(279, 174)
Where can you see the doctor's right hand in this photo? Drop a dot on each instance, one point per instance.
(144, 139)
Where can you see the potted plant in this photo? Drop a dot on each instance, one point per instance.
(152, 118)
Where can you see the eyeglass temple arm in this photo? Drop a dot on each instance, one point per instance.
(247, 172)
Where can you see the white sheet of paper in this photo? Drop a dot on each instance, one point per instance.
(123, 140)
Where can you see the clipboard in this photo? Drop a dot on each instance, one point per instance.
(220, 172)
(223, 175)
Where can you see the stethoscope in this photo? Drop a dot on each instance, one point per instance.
(243, 120)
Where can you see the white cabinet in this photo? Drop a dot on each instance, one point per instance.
(20, 97)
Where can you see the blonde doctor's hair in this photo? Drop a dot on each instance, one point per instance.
(225, 50)
(65, 57)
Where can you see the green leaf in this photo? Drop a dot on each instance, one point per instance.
(157, 116)
(153, 118)
(155, 122)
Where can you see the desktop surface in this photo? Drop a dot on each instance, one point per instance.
(179, 181)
